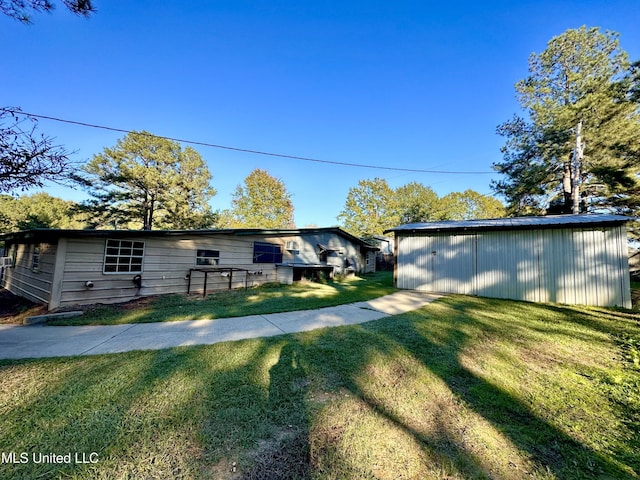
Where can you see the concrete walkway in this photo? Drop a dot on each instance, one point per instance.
(38, 341)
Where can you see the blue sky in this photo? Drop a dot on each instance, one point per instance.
(410, 84)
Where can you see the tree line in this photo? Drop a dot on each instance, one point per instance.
(143, 182)
(149, 182)
(373, 206)
(574, 149)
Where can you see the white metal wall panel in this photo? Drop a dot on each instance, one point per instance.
(623, 265)
(526, 252)
(413, 258)
(453, 261)
(586, 280)
(609, 271)
(554, 266)
(596, 266)
(436, 263)
(573, 266)
(584, 266)
(492, 267)
(603, 268)
(403, 263)
(507, 265)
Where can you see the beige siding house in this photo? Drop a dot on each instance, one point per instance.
(571, 259)
(73, 267)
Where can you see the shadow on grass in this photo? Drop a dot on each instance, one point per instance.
(80, 408)
(269, 298)
(146, 414)
(551, 450)
(285, 455)
(246, 409)
(236, 410)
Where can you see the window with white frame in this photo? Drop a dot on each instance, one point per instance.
(207, 257)
(123, 256)
(13, 254)
(35, 259)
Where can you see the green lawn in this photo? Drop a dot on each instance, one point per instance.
(463, 388)
(269, 298)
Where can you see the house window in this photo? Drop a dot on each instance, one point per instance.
(8, 258)
(35, 259)
(207, 257)
(123, 256)
(13, 254)
(267, 253)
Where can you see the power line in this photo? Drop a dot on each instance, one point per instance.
(246, 150)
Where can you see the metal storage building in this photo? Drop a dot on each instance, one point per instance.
(571, 259)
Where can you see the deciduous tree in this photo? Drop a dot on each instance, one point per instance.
(39, 210)
(416, 202)
(373, 207)
(262, 202)
(469, 205)
(370, 208)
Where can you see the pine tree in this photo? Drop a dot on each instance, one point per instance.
(578, 149)
(147, 181)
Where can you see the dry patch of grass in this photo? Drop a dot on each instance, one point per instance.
(14, 309)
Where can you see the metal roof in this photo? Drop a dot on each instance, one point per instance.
(44, 234)
(515, 223)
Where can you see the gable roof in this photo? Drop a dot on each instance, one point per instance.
(515, 223)
(47, 234)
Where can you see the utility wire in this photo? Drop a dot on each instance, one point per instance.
(245, 150)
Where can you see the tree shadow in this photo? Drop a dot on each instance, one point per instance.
(234, 410)
(551, 450)
(146, 414)
(248, 410)
(81, 407)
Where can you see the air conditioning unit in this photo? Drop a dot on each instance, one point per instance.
(6, 262)
(291, 245)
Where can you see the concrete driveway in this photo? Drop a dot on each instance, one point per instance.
(37, 341)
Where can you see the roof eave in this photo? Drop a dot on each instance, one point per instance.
(520, 223)
(55, 234)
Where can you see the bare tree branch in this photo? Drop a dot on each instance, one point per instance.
(28, 159)
(19, 9)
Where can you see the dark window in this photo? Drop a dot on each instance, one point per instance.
(267, 253)
(207, 257)
(123, 256)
